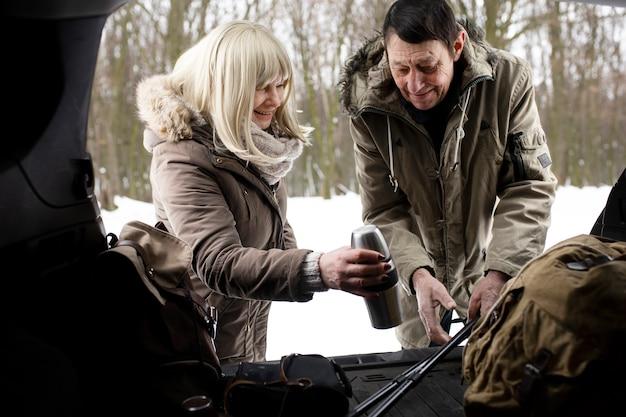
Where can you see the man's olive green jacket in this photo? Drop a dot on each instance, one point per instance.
(483, 203)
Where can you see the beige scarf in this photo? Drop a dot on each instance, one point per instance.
(278, 146)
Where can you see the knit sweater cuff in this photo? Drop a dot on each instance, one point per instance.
(311, 278)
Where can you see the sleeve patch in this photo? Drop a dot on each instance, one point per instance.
(544, 160)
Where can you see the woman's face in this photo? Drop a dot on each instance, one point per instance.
(266, 100)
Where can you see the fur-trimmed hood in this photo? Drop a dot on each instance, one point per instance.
(167, 116)
(366, 77)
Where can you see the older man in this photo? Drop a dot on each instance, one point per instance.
(451, 159)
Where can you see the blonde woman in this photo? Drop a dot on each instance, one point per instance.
(223, 134)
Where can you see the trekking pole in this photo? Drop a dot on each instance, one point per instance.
(409, 378)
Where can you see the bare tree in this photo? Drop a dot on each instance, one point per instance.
(576, 52)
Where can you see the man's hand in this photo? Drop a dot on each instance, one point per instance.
(486, 293)
(431, 294)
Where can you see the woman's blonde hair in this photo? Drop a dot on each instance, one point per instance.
(220, 74)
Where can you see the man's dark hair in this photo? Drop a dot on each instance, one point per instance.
(416, 21)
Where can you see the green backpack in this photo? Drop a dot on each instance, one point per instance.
(555, 341)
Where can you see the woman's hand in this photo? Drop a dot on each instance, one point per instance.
(353, 270)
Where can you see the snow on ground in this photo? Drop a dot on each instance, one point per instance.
(336, 323)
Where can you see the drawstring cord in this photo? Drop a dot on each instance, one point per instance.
(460, 133)
(392, 175)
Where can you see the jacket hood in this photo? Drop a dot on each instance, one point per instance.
(367, 69)
(369, 55)
(164, 111)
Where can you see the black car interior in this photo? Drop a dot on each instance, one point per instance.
(56, 357)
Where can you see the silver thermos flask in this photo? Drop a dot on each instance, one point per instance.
(384, 310)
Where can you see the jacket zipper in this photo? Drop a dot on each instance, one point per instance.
(446, 277)
(281, 234)
(444, 220)
(439, 164)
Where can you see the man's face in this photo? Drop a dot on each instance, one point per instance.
(422, 71)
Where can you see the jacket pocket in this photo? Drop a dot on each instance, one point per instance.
(529, 154)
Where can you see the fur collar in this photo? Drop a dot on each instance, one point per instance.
(164, 111)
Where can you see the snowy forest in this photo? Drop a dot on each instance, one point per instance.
(577, 52)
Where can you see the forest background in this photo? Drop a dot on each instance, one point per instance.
(577, 52)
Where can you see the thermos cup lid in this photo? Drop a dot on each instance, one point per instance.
(370, 237)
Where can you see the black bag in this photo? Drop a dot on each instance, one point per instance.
(157, 329)
(298, 385)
